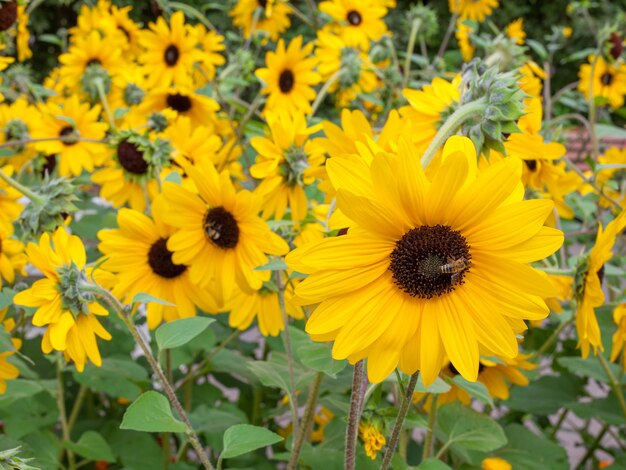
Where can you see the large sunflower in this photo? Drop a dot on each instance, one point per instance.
(357, 22)
(137, 252)
(286, 162)
(588, 285)
(72, 325)
(609, 81)
(289, 77)
(476, 10)
(428, 268)
(268, 16)
(220, 234)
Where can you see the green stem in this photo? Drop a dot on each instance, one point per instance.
(34, 197)
(307, 419)
(124, 312)
(415, 26)
(105, 104)
(559, 422)
(430, 433)
(452, 124)
(397, 427)
(354, 416)
(78, 403)
(446, 39)
(553, 337)
(65, 430)
(324, 91)
(592, 448)
(615, 386)
(592, 108)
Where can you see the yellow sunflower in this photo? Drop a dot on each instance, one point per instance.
(268, 16)
(428, 268)
(12, 257)
(184, 101)
(169, 52)
(463, 35)
(17, 121)
(67, 123)
(612, 180)
(137, 252)
(72, 325)
(515, 30)
(286, 163)
(262, 304)
(289, 77)
(619, 337)
(22, 35)
(220, 234)
(588, 285)
(476, 10)
(357, 22)
(608, 81)
(10, 207)
(531, 78)
(7, 370)
(211, 44)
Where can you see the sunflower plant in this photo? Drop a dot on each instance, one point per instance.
(298, 235)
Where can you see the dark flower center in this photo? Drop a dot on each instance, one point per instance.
(607, 78)
(221, 228)
(354, 18)
(50, 163)
(531, 164)
(286, 81)
(171, 55)
(126, 33)
(617, 46)
(429, 261)
(262, 3)
(601, 274)
(94, 62)
(131, 158)
(160, 260)
(8, 14)
(68, 135)
(178, 102)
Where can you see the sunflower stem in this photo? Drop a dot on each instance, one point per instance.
(124, 312)
(105, 104)
(415, 26)
(592, 448)
(559, 423)
(592, 107)
(307, 419)
(615, 385)
(446, 39)
(354, 416)
(324, 91)
(430, 433)
(78, 403)
(550, 341)
(397, 427)
(33, 196)
(300, 15)
(452, 125)
(65, 430)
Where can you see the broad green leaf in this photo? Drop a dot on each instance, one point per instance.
(92, 446)
(609, 130)
(438, 386)
(275, 372)
(545, 395)
(142, 297)
(606, 409)
(461, 426)
(243, 438)
(589, 367)
(528, 451)
(6, 297)
(151, 412)
(433, 464)
(117, 377)
(317, 356)
(274, 265)
(174, 334)
(475, 389)
(216, 420)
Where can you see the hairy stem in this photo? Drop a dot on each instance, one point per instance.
(615, 385)
(354, 416)
(65, 430)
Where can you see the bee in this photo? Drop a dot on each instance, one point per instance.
(213, 231)
(454, 267)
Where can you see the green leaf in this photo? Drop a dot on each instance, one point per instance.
(529, 451)
(538, 48)
(606, 409)
(174, 334)
(589, 367)
(151, 412)
(438, 386)
(118, 377)
(6, 297)
(7, 152)
(142, 297)
(216, 420)
(545, 395)
(475, 389)
(274, 265)
(433, 464)
(609, 130)
(460, 426)
(92, 446)
(317, 356)
(243, 438)
(51, 39)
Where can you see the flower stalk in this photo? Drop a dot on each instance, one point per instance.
(354, 416)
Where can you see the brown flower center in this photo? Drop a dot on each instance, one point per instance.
(262, 3)
(286, 81)
(160, 260)
(8, 14)
(531, 164)
(171, 55)
(178, 102)
(131, 158)
(354, 18)
(606, 78)
(429, 261)
(68, 135)
(220, 228)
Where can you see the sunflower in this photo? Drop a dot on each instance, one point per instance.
(463, 33)
(264, 305)
(531, 79)
(10, 207)
(220, 234)
(68, 122)
(12, 257)
(72, 324)
(619, 337)
(7, 370)
(22, 35)
(357, 22)
(289, 77)
(211, 44)
(286, 162)
(428, 268)
(612, 180)
(608, 81)
(515, 30)
(184, 101)
(16, 123)
(476, 10)
(588, 285)
(268, 16)
(169, 52)
(137, 252)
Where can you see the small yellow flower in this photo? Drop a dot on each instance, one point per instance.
(515, 30)
(567, 32)
(372, 438)
(495, 463)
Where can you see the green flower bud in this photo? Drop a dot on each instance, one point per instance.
(94, 78)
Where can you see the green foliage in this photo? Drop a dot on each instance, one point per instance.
(243, 438)
(151, 412)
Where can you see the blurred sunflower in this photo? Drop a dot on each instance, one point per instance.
(476, 10)
(17, 121)
(357, 22)
(184, 101)
(619, 337)
(22, 35)
(8, 371)
(12, 257)
(612, 180)
(262, 304)
(515, 30)
(68, 122)
(10, 207)
(211, 44)
(169, 52)
(289, 77)
(428, 268)
(72, 325)
(137, 252)
(463, 35)
(220, 234)
(495, 463)
(608, 81)
(286, 163)
(268, 16)
(588, 285)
